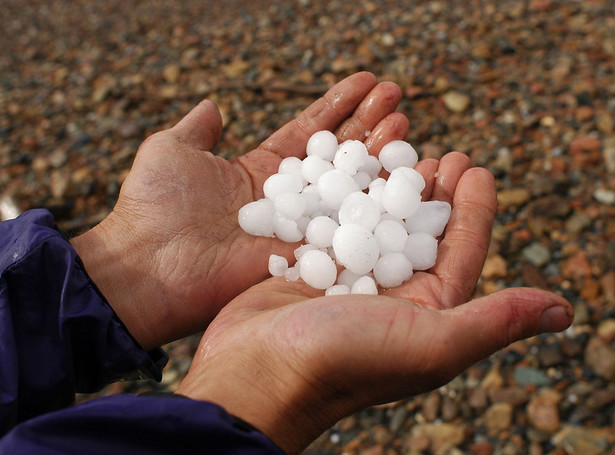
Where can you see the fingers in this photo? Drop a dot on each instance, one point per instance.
(326, 113)
(463, 249)
(379, 103)
(485, 325)
(393, 127)
(201, 128)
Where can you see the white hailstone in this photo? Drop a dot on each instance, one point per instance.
(355, 248)
(363, 179)
(388, 216)
(317, 269)
(334, 186)
(377, 182)
(391, 236)
(376, 192)
(347, 277)
(421, 250)
(292, 273)
(372, 166)
(350, 156)
(256, 218)
(311, 199)
(397, 154)
(285, 229)
(338, 289)
(320, 231)
(313, 167)
(392, 269)
(431, 218)
(282, 183)
(278, 265)
(290, 165)
(291, 205)
(400, 197)
(301, 250)
(364, 285)
(415, 177)
(322, 143)
(302, 224)
(359, 208)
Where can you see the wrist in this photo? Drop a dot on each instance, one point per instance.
(109, 254)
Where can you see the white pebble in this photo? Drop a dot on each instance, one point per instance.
(317, 269)
(391, 236)
(431, 217)
(313, 167)
(421, 250)
(350, 156)
(256, 218)
(334, 186)
(364, 285)
(397, 154)
(392, 269)
(291, 205)
(359, 208)
(278, 265)
(320, 231)
(400, 197)
(322, 143)
(338, 289)
(282, 183)
(355, 248)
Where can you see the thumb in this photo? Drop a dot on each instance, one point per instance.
(201, 127)
(490, 323)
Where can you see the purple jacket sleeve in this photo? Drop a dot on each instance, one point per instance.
(59, 336)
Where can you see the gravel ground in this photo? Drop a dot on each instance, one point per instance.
(526, 88)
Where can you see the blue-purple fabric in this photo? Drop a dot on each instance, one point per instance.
(58, 336)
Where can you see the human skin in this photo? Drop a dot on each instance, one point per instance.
(171, 254)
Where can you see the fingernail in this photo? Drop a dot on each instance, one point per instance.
(554, 319)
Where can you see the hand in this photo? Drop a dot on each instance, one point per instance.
(171, 253)
(292, 362)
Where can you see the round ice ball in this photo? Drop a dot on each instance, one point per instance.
(392, 269)
(320, 231)
(282, 183)
(359, 208)
(364, 285)
(290, 165)
(431, 217)
(350, 156)
(400, 196)
(355, 248)
(372, 166)
(421, 250)
(415, 177)
(278, 265)
(285, 229)
(334, 186)
(313, 167)
(291, 205)
(347, 277)
(317, 269)
(256, 218)
(391, 236)
(338, 289)
(397, 154)
(322, 143)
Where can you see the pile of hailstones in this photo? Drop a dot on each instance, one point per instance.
(378, 230)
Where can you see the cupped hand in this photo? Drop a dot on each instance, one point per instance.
(292, 362)
(171, 253)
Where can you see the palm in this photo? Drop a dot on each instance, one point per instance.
(182, 201)
(319, 358)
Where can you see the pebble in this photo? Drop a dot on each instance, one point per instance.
(474, 80)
